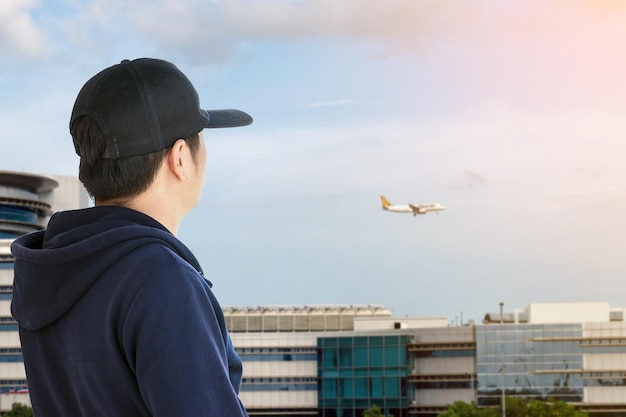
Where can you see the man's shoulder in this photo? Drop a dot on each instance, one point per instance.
(156, 255)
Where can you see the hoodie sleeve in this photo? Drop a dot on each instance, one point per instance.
(177, 344)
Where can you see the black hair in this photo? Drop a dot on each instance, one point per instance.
(120, 179)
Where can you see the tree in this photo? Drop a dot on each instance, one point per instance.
(19, 410)
(551, 407)
(463, 409)
(374, 411)
(519, 407)
(460, 409)
(516, 407)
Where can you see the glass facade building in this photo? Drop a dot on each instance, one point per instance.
(358, 372)
(533, 361)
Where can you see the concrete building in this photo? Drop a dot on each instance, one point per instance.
(416, 367)
(279, 348)
(340, 360)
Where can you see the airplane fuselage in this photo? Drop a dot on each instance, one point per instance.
(402, 208)
(411, 208)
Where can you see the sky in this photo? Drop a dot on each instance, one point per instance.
(511, 114)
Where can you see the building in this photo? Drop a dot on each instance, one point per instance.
(293, 365)
(279, 348)
(338, 360)
(26, 203)
(575, 352)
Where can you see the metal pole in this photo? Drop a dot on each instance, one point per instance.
(502, 359)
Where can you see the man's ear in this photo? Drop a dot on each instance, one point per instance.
(176, 159)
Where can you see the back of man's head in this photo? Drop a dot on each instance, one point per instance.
(127, 116)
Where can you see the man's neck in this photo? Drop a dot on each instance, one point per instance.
(161, 208)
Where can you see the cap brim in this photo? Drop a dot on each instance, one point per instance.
(226, 118)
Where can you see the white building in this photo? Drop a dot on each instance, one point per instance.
(26, 203)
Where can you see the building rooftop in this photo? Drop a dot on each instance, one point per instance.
(33, 182)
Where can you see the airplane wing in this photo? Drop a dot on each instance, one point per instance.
(417, 209)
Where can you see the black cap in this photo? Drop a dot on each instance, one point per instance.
(145, 105)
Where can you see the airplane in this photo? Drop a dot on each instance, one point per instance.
(411, 208)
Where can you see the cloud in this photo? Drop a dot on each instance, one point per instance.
(470, 180)
(568, 53)
(566, 40)
(19, 34)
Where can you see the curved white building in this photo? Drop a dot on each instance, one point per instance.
(22, 210)
(27, 201)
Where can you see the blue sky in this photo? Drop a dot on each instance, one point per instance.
(509, 113)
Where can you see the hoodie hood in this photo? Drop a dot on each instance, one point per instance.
(54, 268)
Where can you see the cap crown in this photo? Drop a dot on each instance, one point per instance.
(141, 106)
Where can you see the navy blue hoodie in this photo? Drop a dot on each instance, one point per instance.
(116, 319)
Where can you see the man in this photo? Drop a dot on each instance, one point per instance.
(115, 316)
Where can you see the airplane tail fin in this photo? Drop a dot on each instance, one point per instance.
(386, 202)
